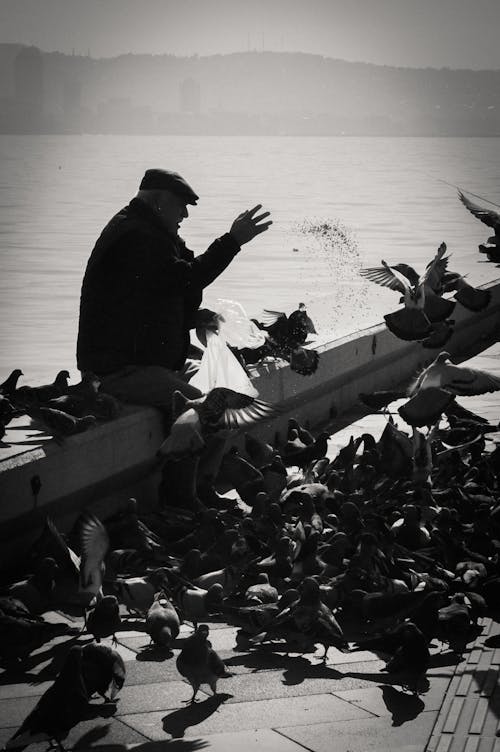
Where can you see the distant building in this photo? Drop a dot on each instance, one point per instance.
(190, 97)
(28, 91)
(72, 96)
(28, 78)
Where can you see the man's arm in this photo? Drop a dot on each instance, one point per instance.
(167, 269)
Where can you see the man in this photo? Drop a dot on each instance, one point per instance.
(142, 290)
(140, 297)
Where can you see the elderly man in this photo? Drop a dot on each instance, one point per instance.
(142, 290)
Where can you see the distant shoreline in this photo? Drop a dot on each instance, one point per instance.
(247, 93)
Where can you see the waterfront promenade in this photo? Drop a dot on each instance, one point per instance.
(279, 702)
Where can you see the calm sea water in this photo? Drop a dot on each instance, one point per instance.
(386, 195)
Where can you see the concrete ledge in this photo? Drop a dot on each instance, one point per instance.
(107, 463)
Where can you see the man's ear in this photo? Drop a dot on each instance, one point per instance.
(179, 404)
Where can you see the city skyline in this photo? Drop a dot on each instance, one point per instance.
(401, 33)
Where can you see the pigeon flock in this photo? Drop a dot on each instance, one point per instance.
(425, 316)
(391, 545)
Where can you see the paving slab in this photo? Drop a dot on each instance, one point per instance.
(13, 711)
(364, 735)
(258, 740)
(392, 700)
(216, 716)
(23, 689)
(295, 679)
(151, 697)
(89, 733)
(150, 672)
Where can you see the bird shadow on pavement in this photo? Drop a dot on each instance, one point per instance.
(383, 679)
(177, 722)
(402, 706)
(449, 658)
(90, 737)
(493, 641)
(296, 668)
(24, 672)
(173, 745)
(154, 653)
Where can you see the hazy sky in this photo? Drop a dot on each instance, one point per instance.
(415, 33)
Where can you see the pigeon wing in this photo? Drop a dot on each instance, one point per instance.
(467, 381)
(94, 542)
(435, 269)
(271, 317)
(233, 409)
(408, 271)
(62, 552)
(489, 217)
(385, 276)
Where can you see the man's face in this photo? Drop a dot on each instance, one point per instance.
(172, 209)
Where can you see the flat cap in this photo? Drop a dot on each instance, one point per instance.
(158, 180)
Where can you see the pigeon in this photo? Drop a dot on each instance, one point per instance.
(10, 606)
(79, 404)
(412, 657)
(195, 603)
(262, 591)
(435, 388)
(199, 663)
(61, 707)
(87, 387)
(311, 618)
(137, 593)
(103, 671)
(288, 330)
(59, 423)
(303, 434)
(227, 577)
(7, 410)
(460, 412)
(220, 409)
(162, 621)
(104, 618)
(422, 306)
(472, 298)
(300, 317)
(52, 543)
(94, 544)
(259, 452)
(127, 531)
(454, 621)
(440, 334)
(37, 591)
(32, 396)
(286, 335)
(307, 454)
(9, 386)
(381, 399)
(489, 217)
(246, 479)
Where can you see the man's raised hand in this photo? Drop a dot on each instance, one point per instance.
(248, 224)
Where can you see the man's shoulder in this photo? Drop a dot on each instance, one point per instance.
(127, 224)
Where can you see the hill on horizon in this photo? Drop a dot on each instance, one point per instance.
(260, 92)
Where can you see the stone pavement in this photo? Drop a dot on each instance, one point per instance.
(278, 702)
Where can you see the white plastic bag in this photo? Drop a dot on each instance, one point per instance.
(236, 328)
(219, 367)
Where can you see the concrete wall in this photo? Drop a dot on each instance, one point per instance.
(105, 465)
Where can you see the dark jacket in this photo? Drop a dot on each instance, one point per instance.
(140, 293)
